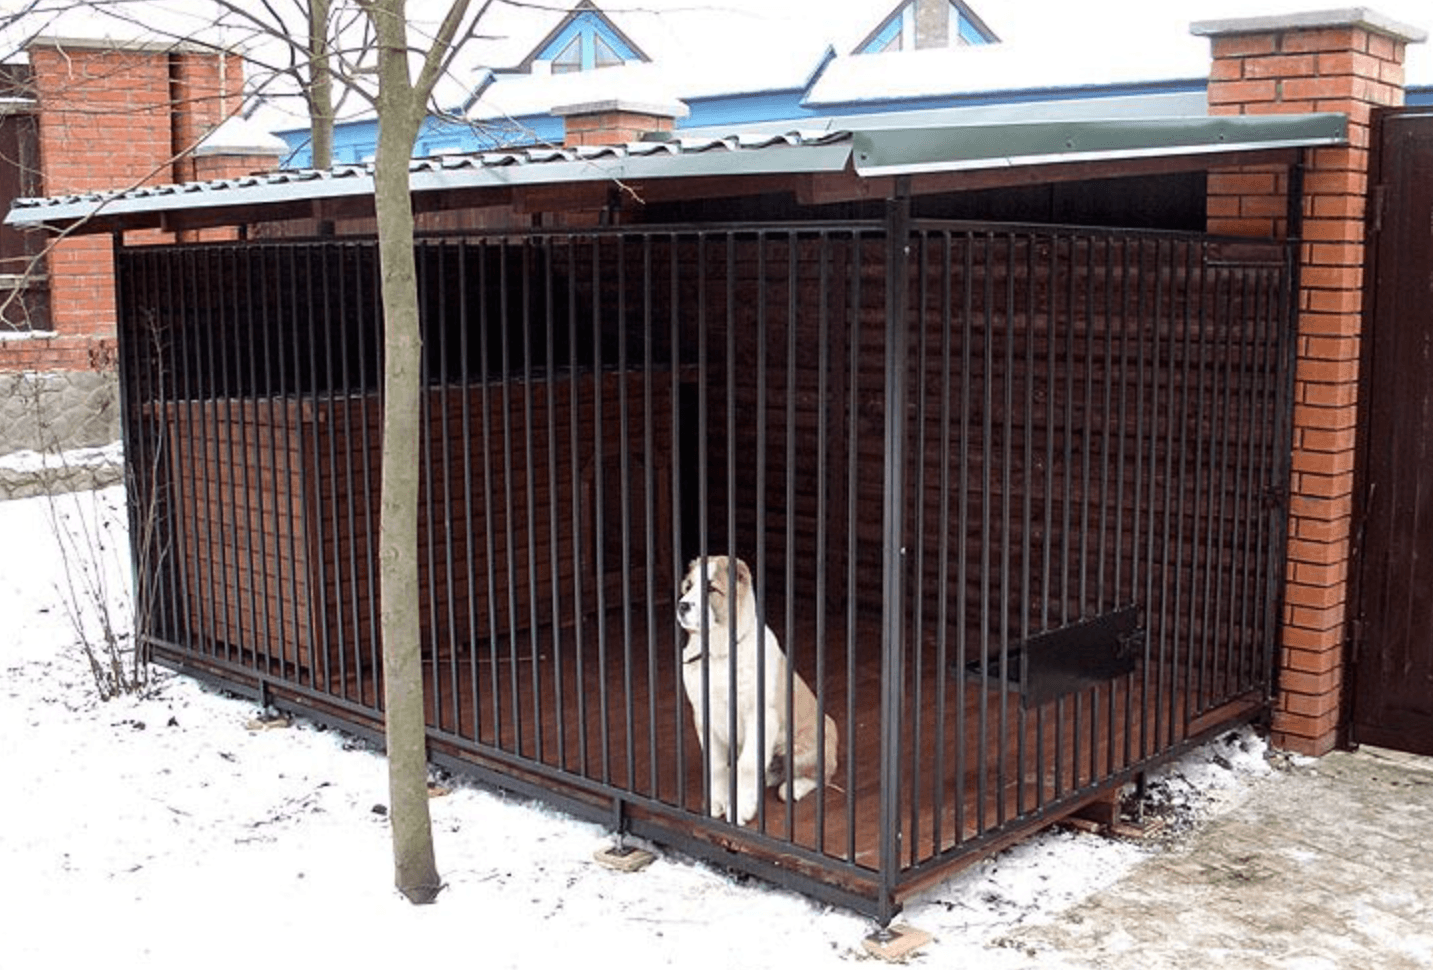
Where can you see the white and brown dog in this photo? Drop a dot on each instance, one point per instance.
(707, 589)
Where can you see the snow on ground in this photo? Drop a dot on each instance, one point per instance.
(160, 831)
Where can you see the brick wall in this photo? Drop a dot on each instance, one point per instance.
(111, 118)
(1350, 62)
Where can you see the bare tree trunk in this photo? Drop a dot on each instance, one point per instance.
(320, 86)
(399, 115)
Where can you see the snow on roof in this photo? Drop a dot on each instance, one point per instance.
(241, 136)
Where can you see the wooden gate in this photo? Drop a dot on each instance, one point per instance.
(1393, 630)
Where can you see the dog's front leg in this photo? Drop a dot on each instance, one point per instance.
(751, 769)
(718, 756)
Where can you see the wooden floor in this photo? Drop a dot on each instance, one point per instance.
(602, 705)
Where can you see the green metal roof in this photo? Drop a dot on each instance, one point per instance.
(908, 151)
(868, 153)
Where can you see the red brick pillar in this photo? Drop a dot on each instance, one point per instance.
(616, 122)
(113, 116)
(1347, 61)
(104, 123)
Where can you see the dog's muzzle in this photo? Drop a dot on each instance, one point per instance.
(689, 616)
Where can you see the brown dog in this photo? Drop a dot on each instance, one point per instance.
(705, 591)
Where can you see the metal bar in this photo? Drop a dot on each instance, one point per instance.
(962, 563)
(898, 238)
(528, 377)
(914, 608)
(649, 521)
(427, 524)
(1006, 532)
(823, 458)
(575, 470)
(366, 258)
(674, 324)
(729, 429)
(941, 781)
(624, 515)
(599, 510)
(855, 264)
(465, 390)
(485, 394)
(987, 419)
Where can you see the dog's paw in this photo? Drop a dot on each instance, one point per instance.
(745, 809)
(797, 790)
(718, 807)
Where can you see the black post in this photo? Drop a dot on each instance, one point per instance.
(898, 235)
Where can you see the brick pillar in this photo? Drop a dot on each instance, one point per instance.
(111, 116)
(103, 119)
(1348, 61)
(207, 90)
(616, 122)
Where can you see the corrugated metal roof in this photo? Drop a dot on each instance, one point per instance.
(874, 152)
(677, 158)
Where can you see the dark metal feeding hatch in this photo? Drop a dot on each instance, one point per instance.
(1069, 659)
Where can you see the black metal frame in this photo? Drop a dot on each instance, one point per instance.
(1069, 424)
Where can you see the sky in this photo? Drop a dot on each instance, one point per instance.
(726, 45)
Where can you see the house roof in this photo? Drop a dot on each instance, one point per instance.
(871, 153)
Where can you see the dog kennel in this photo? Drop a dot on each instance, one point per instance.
(1013, 495)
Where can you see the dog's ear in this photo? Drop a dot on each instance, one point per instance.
(743, 574)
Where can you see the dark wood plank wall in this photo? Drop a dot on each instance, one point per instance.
(277, 505)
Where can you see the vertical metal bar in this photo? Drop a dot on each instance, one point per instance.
(558, 377)
(197, 442)
(218, 454)
(330, 294)
(987, 417)
(1278, 485)
(256, 483)
(823, 398)
(678, 365)
(916, 607)
(531, 516)
(898, 237)
(942, 779)
(311, 470)
(348, 302)
(447, 396)
(729, 433)
(759, 537)
(855, 265)
(1027, 550)
(704, 502)
(962, 564)
(1104, 595)
(426, 553)
(578, 501)
(599, 510)
(1178, 634)
(649, 504)
(624, 516)
(465, 390)
(369, 425)
(1156, 408)
(1007, 446)
(789, 545)
(510, 507)
(486, 288)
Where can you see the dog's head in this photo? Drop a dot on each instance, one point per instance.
(708, 586)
